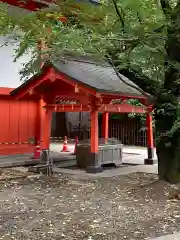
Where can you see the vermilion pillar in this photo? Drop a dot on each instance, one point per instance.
(150, 139)
(105, 125)
(40, 121)
(94, 166)
(47, 128)
(94, 131)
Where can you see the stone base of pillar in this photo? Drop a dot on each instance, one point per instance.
(94, 167)
(150, 161)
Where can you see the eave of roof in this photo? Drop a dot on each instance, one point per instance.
(5, 91)
(97, 89)
(29, 81)
(36, 5)
(98, 75)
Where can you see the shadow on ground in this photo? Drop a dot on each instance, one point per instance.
(135, 206)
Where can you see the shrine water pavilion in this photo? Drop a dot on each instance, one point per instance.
(81, 85)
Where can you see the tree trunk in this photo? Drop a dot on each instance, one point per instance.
(167, 105)
(167, 141)
(167, 115)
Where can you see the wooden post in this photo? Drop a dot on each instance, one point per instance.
(94, 131)
(105, 125)
(150, 139)
(94, 165)
(47, 128)
(40, 121)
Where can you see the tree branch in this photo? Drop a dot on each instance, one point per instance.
(139, 18)
(119, 13)
(165, 7)
(177, 6)
(129, 84)
(158, 30)
(143, 82)
(134, 78)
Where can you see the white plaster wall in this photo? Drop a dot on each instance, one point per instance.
(9, 70)
(10, 77)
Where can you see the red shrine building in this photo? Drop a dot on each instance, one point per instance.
(72, 85)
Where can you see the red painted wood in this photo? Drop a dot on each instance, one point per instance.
(47, 129)
(5, 91)
(119, 108)
(32, 120)
(17, 125)
(12, 150)
(29, 89)
(123, 108)
(40, 121)
(46, 81)
(105, 125)
(52, 84)
(23, 121)
(94, 131)
(34, 5)
(14, 124)
(29, 5)
(4, 120)
(150, 139)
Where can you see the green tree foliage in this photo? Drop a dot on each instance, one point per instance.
(140, 39)
(132, 29)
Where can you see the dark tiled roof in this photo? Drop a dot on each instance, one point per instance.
(102, 77)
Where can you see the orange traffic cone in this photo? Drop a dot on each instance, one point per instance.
(65, 146)
(37, 152)
(76, 142)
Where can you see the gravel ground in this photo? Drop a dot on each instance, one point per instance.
(135, 206)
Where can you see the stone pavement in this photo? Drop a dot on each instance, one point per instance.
(64, 207)
(113, 172)
(132, 155)
(17, 160)
(175, 236)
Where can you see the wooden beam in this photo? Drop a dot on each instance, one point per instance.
(122, 108)
(60, 95)
(29, 5)
(118, 108)
(68, 107)
(117, 96)
(30, 87)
